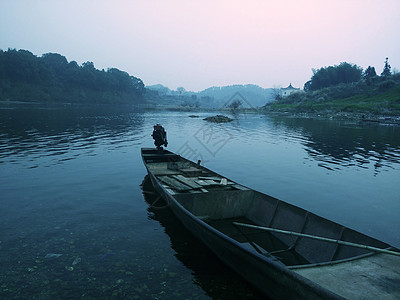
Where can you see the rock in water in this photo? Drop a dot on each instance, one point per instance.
(218, 119)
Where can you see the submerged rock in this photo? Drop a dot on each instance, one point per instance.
(218, 119)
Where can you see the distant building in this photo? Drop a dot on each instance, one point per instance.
(289, 90)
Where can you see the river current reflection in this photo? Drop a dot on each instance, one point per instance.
(348, 145)
(74, 222)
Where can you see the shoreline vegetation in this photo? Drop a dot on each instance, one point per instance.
(386, 102)
(50, 78)
(345, 91)
(382, 108)
(339, 92)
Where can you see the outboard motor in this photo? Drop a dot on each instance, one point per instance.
(160, 136)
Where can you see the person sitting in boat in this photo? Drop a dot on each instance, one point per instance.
(160, 136)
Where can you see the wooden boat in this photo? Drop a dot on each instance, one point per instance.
(283, 250)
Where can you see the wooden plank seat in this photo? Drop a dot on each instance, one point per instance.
(175, 184)
(187, 181)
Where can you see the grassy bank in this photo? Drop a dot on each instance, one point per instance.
(383, 104)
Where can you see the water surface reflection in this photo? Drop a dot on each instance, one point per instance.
(338, 144)
(65, 133)
(73, 174)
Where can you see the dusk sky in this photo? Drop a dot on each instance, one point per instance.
(199, 44)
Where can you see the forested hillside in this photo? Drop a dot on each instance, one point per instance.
(345, 88)
(51, 78)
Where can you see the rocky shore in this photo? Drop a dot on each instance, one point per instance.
(358, 117)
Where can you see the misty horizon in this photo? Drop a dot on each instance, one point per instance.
(197, 45)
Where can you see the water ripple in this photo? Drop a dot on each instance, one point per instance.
(23, 136)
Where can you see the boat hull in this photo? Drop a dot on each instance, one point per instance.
(272, 279)
(282, 267)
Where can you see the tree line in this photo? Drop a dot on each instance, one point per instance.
(343, 81)
(51, 78)
(344, 73)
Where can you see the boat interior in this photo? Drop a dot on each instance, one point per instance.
(223, 204)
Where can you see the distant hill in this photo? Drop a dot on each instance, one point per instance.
(215, 97)
(250, 95)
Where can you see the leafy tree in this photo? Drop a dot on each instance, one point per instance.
(369, 75)
(307, 86)
(369, 72)
(180, 90)
(138, 85)
(386, 69)
(277, 93)
(235, 104)
(55, 60)
(88, 65)
(334, 75)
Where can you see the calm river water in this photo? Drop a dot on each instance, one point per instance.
(76, 219)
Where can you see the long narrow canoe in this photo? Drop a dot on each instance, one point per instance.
(283, 250)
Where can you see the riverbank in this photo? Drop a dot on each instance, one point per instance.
(380, 108)
(346, 116)
(289, 110)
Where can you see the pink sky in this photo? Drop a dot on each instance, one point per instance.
(198, 44)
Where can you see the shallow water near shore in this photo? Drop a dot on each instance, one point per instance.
(79, 220)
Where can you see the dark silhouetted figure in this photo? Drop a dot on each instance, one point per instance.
(160, 136)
